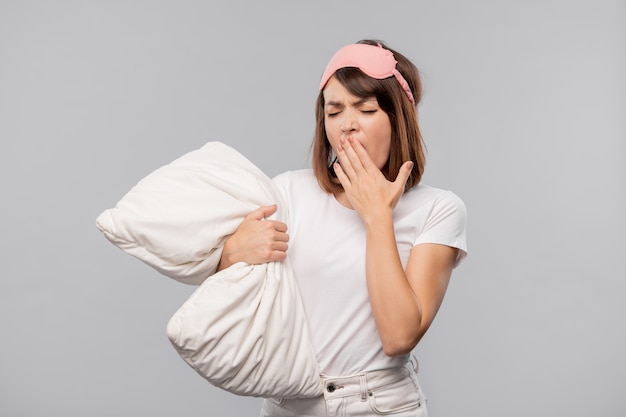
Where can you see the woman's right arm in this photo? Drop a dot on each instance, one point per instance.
(256, 240)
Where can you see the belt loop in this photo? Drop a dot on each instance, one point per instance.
(415, 363)
(363, 381)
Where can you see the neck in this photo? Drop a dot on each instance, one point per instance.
(343, 199)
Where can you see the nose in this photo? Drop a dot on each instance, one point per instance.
(348, 121)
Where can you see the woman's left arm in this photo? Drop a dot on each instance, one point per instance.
(404, 302)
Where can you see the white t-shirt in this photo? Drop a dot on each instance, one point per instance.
(327, 252)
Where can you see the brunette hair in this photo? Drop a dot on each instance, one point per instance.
(406, 139)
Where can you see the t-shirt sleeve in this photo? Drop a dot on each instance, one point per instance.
(282, 182)
(446, 224)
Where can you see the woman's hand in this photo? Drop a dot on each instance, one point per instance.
(367, 189)
(256, 240)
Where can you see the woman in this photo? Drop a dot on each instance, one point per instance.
(371, 248)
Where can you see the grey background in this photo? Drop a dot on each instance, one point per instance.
(523, 116)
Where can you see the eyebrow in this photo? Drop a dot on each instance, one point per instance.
(355, 103)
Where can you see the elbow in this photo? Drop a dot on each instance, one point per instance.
(400, 341)
(399, 347)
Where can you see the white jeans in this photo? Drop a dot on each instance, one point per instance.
(388, 392)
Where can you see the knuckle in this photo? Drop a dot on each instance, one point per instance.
(280, 246)
(266, 253)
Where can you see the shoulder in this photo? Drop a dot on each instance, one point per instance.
(298, 178)
(446, 200)
(444, 217)
(431, 199)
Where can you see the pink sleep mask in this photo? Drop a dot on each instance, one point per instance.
(375, 61)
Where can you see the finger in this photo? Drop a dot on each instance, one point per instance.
(269, 210)
(279, 226)
(280, 246)
(275, 234)
(275, 252)
(281, 237)
(261, 212)
(351, 154)
(271, 230)
(403, 174)
(345, 162)
(363, 157)
(277, 256)
(341, 176)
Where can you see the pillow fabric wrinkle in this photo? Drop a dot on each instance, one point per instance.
(244, 328)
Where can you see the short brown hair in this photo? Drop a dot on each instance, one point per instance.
(406, 139)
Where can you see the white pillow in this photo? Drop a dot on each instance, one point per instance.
(177, 218)
(244, 329)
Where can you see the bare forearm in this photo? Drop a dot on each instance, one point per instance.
(395, 306)
(227, 259)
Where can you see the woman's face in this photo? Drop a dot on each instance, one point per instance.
(347, 116)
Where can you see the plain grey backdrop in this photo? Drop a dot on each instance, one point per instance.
(523, 116)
